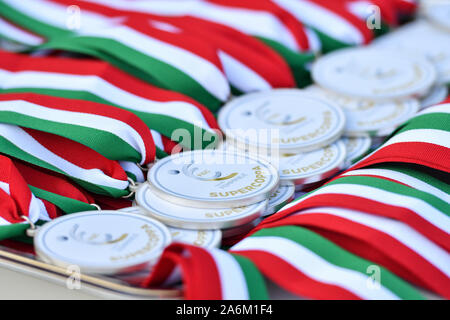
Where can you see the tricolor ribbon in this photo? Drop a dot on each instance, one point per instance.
(97, 126)
(209, 274)
(18, 206)
(174, 61)
(83, 165)
(248, 64)
(308, 265)
(55, 189)
(419, 141)
(395, 216)
(224, 24)
(161, 110)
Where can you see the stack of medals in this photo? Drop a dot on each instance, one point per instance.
(211, 192)
(190, 197)
(378, 89)
(299, 134)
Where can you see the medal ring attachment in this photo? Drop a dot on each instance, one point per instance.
(96, 206)
(31, 231)
(133, 187)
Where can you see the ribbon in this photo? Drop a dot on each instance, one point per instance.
(208, 274)
(417, 142)
(95, 125)
(161, 110)
(169, 60)
(18, 206)
(308, 265)
(14, 33)
(264, 20)
(257, 18)
(55, 189)
(248, 64)
(83, 165)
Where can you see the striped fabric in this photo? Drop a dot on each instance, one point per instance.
(81, 121)
(161, 110)
(209, 274)
(16, 200)
(170, 60)
(86, 167)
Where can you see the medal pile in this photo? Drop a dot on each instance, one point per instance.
(162, 144)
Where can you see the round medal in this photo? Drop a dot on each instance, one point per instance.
(200, 238)
(286, 119)
(213, 179)
(280, 198)
(356, 148)
(312, 167)
(102, 242)
(196, 218)
(370, 117)
(376, 74)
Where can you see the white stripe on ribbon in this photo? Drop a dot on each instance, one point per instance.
(232, 279)
(24, 141)
(134, 169)
(241, 76)
(5, 187)
(4, 222)
(315, 267)
(403, 178)
(433, 136)
(118, 128)
(37, 208)
(441, 108)
(157, 139)
(396, 229)
(103, 89)
(16, 34)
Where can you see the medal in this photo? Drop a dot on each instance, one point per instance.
(212, 179)
(356, 148)
(289, 120)
(312, 167)
(364, 116)
(180, 216)
(106, 242)
(200, 238)
(380, 74)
